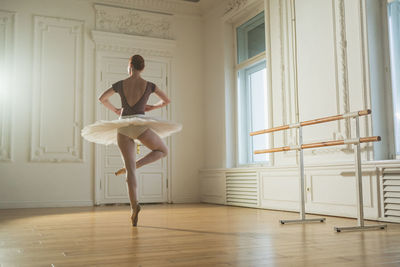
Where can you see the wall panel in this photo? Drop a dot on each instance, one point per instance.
(6, 85)
(279, 189)
(213, 187)
(57, 89)
(319, 93)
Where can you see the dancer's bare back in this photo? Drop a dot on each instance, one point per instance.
(133, 89)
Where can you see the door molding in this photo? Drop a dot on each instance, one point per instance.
(124, 46)
(130, 44)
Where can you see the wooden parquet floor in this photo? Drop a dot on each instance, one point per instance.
(186, 235)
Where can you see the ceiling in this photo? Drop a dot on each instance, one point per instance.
(205, 5)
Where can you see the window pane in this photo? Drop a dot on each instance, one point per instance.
(394, 39)
(252, 112)
(259, 112)
(251, 38)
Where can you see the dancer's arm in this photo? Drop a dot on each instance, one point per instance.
(162, 103)
(104, 100)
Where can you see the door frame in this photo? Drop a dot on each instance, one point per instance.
(124, 46)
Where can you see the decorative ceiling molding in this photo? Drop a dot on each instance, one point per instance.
(133, 22)
(237, 8)
(163, 6)
(234, 5)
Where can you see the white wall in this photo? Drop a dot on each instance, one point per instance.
(24, 182)
(332, 68)
(188, 105)
(214, 89)
(30, 181)
(323, 58)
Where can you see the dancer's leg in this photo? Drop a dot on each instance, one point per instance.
(153, 142)
(128, 151)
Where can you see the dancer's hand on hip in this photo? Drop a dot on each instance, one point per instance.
(149, 108)
(118, 111)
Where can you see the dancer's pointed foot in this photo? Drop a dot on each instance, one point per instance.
(135, 214)
(120, 171)
(123, 170)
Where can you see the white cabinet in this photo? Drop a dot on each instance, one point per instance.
(330, 190)
(279, 189)
(212, 187)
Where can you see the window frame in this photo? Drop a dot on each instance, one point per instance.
(244, 64)
(388, 77)
(249, 28)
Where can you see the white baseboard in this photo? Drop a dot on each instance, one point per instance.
(44, 204)
(391, 220)
(181, 200)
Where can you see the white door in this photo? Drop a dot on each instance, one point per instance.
(152, 178)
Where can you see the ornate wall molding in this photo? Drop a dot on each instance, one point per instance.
(342, 131)
(288, 75)
(127, 44)
(57, 90)
(283, 67)
(234, 5)
(133, 22)
(165, 6)
(237, 8)
(6, 88)
(342, 66)
(287, 57)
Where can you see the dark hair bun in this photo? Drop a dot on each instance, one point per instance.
(137, 62)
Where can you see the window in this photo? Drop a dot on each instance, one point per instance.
(250, 38)
(393, 11)
(252, 95)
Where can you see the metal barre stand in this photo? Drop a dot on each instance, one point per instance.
(357, 153)
(303, 218)
(360, 202)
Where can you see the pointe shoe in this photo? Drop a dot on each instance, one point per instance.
(120, 171)
(135, 216)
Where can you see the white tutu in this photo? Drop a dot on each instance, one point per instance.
(105, 132)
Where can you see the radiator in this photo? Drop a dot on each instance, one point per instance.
(242, 189)
(391, 193)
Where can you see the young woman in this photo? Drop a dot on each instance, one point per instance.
(133, 126)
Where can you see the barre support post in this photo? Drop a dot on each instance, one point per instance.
(359, 192)
(302, 201)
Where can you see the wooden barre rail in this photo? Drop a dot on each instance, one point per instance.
(318, 144)
(311, 122)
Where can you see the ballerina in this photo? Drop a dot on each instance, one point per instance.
(133, 126)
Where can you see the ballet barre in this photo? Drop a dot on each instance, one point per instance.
(320, 144)
(357, 155)
(315, 121)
